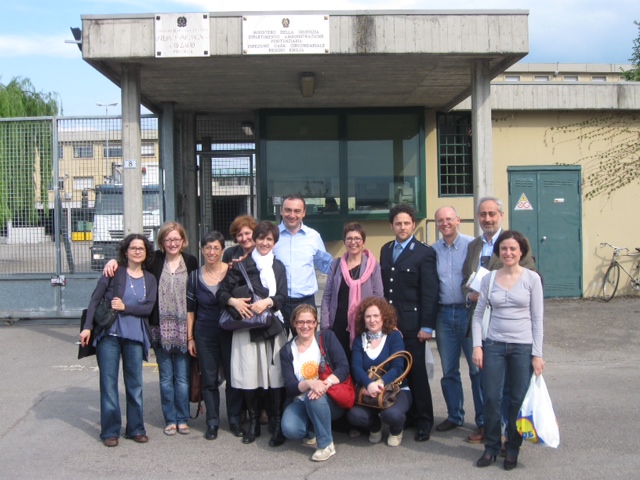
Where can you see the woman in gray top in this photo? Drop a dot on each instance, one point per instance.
(512, 349)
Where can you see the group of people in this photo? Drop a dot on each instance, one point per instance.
(369, 311)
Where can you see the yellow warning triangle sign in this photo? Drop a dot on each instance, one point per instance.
(523, 203)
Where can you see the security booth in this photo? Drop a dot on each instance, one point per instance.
(341, 107)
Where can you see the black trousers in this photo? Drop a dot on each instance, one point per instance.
(214, 349)
(421, 412)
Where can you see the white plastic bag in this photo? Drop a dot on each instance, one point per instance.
(536, 421)
(428, 360)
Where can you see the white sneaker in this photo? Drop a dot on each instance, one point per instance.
(309, 442)
(354, 433)
(394, 440)
(375, 437)
(323, 454)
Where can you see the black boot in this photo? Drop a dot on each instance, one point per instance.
(277, 401)
(253, 408)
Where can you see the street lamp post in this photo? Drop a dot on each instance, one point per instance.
(106, 113)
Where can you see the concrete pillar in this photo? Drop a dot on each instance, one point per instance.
(131, 147)
(189, 187)
(167, 161)
(481, 133)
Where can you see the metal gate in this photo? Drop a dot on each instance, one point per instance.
(50, 168)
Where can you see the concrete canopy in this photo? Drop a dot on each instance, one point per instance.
(377, 59)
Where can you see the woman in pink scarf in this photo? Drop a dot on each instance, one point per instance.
(353, 277)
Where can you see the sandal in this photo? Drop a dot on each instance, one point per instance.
(184, 429)
(170, 430)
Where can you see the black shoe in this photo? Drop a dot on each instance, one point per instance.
(446, 426)
(485, 460)
(510, 462)
(212, 432)
(277, 438)
(236, 430)
(422, 435)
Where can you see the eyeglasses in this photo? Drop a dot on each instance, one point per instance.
(307, 323)
(353, 240)
(137, 249)
(209, 248)
(446, 220)
(174, 241)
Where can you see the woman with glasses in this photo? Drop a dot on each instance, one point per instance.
(168, 321)
(352, 277)
(132, 293)
(309, 410)
(207, 341)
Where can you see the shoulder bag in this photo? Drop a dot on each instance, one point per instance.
(195, 385)
(104, 315)
(486, 317)
(344, 393)
(258, 320)
(389, 395)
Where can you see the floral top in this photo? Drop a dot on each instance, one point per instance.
(172, 304)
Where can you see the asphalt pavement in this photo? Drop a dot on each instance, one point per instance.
(49, 416)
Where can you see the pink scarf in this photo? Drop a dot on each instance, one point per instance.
(355, 289)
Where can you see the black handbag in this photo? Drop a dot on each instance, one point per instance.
(258, 320)
(88, 349)
(104, 315)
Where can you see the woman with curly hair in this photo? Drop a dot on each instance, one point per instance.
(376, 340)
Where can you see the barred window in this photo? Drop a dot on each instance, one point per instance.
(83, 151)
(454, 154)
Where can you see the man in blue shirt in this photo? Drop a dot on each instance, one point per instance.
(302, 251)
(410, 280)
(452, 325)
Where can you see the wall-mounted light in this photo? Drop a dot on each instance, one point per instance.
(307, 84)
(247, 128)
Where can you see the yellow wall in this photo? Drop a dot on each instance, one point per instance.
(525, 138)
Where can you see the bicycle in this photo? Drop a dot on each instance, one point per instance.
(612, 277)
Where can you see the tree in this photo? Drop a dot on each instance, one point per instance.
(633, 75)
(26, 150)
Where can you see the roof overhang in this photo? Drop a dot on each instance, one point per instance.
(377, 59)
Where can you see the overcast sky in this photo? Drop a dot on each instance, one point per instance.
(33, 34)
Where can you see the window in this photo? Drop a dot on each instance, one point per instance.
(599, 78)
(570, 78)
(148, 149)
(114, 150)
(455, 167)
(344, 162)
(83, 151)
(512, 78)
(541, 78)
(60, 184)
(83, 183)
(60, 151)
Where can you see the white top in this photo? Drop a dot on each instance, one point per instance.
(307, 364)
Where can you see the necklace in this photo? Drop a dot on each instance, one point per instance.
(144, 286)
(215, 276)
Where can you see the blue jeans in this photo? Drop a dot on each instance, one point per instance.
(303, 416)
(452, 326)
(502, 361)
(108, 353)
(174, 385)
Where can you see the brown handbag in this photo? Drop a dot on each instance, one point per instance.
(195, 385)
(391, 390)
